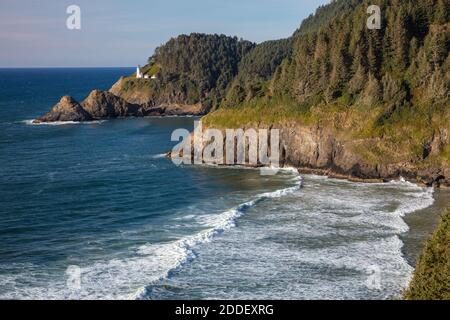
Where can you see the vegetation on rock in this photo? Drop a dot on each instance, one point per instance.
(431, 279)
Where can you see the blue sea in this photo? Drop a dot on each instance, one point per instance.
(95, 211)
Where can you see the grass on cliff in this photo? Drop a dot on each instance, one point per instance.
(152, 69)
(136, 85)
(431, 279)
(281, 109)
(258, 111)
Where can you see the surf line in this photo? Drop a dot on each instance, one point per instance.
(189, 244)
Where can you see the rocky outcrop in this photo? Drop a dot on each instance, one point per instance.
(67, 109)
(105, 105)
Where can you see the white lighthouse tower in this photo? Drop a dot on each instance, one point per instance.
(139, 74)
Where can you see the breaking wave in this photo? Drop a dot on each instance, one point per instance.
(60, 123)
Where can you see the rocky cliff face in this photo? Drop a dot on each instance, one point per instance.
(104, 105)
(318, 150)
(67, 109)
(140, 92)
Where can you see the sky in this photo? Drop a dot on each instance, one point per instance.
(119, 33)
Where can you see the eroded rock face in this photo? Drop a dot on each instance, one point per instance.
(317, 150)
(104, 105)
(67, 109)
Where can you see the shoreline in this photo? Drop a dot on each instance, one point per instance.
(333, 174)
(422, 224)
(330, 173)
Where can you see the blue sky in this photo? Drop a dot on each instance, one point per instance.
(33, 33)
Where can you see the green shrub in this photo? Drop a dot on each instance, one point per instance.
(431, 279)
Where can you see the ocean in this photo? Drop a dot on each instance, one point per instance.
(95, 211)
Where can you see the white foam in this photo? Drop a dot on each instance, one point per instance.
(159, 156)
(328, 242)
(288, 169)
(60, 123)
(385, 252)
(220, 224)
(416, 202)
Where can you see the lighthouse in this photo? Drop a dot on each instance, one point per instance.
(139, 74)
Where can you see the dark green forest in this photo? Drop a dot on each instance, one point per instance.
(343, 58)
(190, 69)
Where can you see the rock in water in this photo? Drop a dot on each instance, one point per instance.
(67, 109)
(102, 104)
(105, 105)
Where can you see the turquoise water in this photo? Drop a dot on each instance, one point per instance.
(101, 197)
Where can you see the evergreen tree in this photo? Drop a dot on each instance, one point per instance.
(400, 42)
(372, 92)
(441, 15)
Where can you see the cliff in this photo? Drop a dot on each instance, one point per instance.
(320, 148)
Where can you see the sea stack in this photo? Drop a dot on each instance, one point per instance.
(67, 109)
